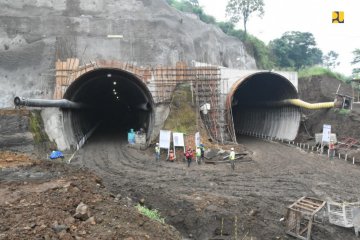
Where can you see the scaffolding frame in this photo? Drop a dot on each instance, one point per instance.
(355, 84)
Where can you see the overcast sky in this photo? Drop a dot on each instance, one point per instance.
(306, 16)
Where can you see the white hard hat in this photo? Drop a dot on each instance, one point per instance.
(232, 149)
(157, 143)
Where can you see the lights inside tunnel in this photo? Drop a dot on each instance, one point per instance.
(114, 100)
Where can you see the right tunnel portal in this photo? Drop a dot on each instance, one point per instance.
(252, 114)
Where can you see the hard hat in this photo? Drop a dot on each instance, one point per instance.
(157, 144)
(232, 149)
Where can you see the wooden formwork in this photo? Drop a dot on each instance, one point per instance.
(300, 217)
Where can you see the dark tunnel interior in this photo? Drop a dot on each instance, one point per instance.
(252, 117)
(116, 101)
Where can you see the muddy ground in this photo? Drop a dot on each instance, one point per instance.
(205, 201)
(201, 202)
(250, 201)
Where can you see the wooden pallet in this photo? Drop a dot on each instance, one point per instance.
(300, 216)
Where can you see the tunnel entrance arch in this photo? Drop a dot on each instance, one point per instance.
(116, 101)
(247, 101)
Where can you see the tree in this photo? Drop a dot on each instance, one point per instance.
(295, 50)
(356, 71)
(242, 9)
(330, 60)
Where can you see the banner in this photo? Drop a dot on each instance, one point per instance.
(326, 133)
(178, 139)
(164, 141)
(197, 139)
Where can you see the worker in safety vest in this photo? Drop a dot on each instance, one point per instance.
(171, 156)
(202, 149)
(198, 155)
(232, 158)
(157, 152)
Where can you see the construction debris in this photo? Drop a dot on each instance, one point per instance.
(300, 216)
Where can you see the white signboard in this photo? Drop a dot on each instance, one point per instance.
(178, 139)
(326, 133)
(164, 141)
(197, 139)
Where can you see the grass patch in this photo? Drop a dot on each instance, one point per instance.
(342, 111)
(320, 71)
(152, 214)
(36, 126)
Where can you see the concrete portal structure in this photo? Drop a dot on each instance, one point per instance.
(122, 96)
(247, 98)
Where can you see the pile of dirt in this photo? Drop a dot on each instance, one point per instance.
(12, 159)
(42, 202)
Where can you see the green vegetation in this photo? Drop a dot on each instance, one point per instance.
(254, 45)
(342, 111)
(292, 51)
(261, 52)
(319, 71)
(242, 9)
(356, 61)
(36, 126)
(152, 214)
(330, 60)
(296, 50)
(182, 114)
(192, 6)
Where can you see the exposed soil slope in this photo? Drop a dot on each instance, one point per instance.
(40, 201)
(320, 89)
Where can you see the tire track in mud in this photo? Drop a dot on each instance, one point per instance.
(188, 197)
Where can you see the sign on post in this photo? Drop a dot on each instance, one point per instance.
(197, 139)
(326, 133)
(164, 141)
(178, 141)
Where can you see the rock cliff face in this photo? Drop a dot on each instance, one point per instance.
(15, 134)
(33, 34)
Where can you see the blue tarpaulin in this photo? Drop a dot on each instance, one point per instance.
(56, 154)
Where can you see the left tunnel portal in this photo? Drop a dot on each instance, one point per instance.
(116, 100)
